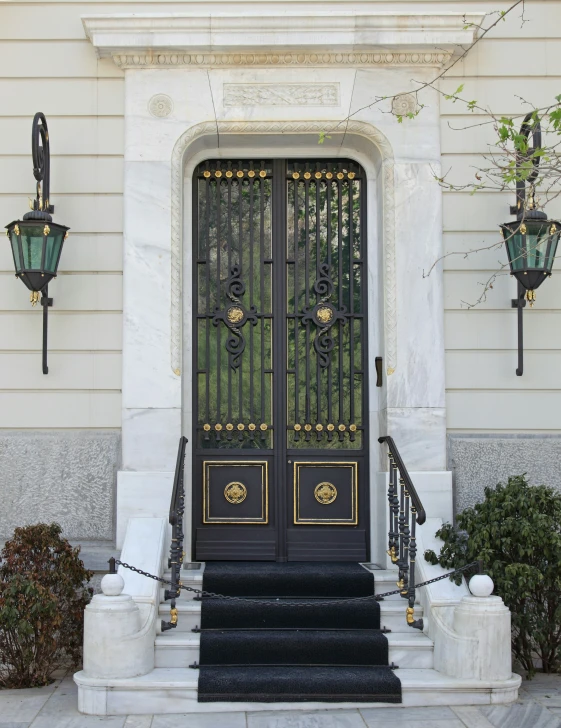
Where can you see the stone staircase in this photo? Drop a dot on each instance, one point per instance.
(179, 648)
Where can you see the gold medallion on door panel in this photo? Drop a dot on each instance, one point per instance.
(235, 492)
(325, 493)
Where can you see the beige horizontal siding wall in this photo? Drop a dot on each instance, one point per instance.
(483, 392)
(47, 64)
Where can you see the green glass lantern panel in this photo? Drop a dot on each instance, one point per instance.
(15, 251)
(32, 246)
(52, 250)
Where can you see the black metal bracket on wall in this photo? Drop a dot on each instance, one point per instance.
(46, 302)
(378, 362)
(520, 304)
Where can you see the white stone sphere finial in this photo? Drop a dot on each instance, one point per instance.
(112, 585)
(481, 585)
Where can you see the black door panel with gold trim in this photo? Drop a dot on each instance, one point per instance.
(280, 459)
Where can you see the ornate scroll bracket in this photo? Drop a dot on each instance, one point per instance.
(324, 315)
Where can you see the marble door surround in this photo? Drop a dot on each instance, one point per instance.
(265, 79)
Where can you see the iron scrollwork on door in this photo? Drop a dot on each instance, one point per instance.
(324, 315)
(235, 316)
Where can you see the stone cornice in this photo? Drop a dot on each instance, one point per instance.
(296, 37)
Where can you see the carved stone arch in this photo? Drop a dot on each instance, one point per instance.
(284, 127)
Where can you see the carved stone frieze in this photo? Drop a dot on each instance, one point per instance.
(281, 94)
(260, 60)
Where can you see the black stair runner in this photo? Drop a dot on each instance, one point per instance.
(277, 650)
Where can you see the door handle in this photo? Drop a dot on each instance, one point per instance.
(378, 362)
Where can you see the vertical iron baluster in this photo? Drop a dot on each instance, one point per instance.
(229, 272)
(307, 294)
(251, 274)
(206, 223)
(241, 418)
(412, 560)
(262, 293)
(329, 365)
(218, 305)
(401, 521)
(351, 309)
(318, 275)
(296, 307)
(340, 299)
(406, 534)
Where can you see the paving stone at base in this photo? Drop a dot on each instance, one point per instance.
(520, 715)
(302, 719)
(200, 720)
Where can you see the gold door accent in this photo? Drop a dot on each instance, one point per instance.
(325, 493)
(235, 492)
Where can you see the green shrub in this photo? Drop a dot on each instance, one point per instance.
(42, 600)
(516, 533)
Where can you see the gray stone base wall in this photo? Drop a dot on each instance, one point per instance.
(478, 461)
(64, 476)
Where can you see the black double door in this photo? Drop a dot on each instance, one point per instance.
(280, 467)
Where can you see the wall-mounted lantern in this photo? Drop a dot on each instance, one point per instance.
(531, 240)
(36, 240)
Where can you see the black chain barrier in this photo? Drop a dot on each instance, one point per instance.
(279, 601)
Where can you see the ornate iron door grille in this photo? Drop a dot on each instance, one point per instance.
(279, 350)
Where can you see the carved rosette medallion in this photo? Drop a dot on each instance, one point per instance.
(235, 493)
(160, 105)
(404, 104)
(324, 314)
(325, 493)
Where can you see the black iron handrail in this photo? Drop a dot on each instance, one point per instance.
(176, 554)
(405, 511)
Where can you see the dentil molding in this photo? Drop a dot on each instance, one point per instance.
(283, 127)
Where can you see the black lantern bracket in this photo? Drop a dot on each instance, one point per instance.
(36, 240)
(531, 240)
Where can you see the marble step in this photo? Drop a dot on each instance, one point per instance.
(406, 649)
(392, 615)
(385, 580)
(174, 690)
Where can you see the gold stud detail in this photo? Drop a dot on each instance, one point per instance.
(351, 175)
(229, 426)
(251, 173)
(46, 230)
(235, 493)
(229, 173)
(297, 427)
(352, 428)
(241, 426)
(308, 428)
(239, 173)
(234, 314)
(251, 427)
(262, 173)
(66, 234)
(218, 173)
(330, 427)
(523, 229)
(263, 426)
(329, 175)
(218, 427)
(34, 297)
(206, 427)
(342, 428)
(319, 427)
(206, 173)
(552, 230)
(317, 175)
(307, 175)
(296, 175)
(340, 175)
(325, 493)
(16, 229)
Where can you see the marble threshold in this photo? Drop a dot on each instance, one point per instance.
(174, 690)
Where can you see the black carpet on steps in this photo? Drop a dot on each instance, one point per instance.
(298, 684)
(294, 647)
(268, 647)
(288, 613)
(295, 579)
